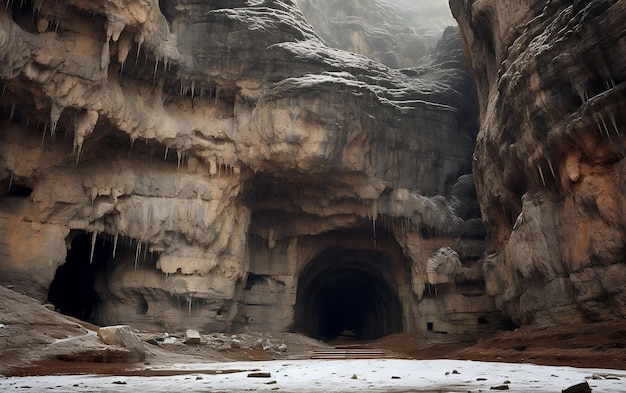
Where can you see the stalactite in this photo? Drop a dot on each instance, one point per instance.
(93, 245)
(114, 244)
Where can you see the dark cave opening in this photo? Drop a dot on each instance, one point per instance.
(72, 290)
(346, 293)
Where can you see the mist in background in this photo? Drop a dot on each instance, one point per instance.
(397, 33)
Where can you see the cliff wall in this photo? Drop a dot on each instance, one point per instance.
(549, 161)
(214, 165)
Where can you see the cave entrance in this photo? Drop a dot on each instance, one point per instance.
(72, 289)
(348, 293)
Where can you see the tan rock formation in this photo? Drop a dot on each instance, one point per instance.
(181, 164)
(550, 168)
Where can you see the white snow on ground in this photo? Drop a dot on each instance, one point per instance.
(337, 376)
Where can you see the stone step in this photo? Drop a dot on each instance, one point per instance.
(352, 353)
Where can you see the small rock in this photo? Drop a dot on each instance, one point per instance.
(258, 344)
(481, 379)
(169, 340)
(192, 337)
(613, 377)
(259, 375)
(582, 387)
(455, 372)
(119, 382)
(354, 376)
(447, 373)
(282, 348)
(199, 378)
(267, 345)
(500, 387)
(596, 376)
(234, 343)
(395, 377)
(271, 383)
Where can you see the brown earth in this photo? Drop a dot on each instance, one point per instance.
(34, 340)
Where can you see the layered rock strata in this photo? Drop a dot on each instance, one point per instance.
(549, 161)
(213, 165)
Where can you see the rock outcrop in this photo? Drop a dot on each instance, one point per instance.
(549, 161)
(213, 165)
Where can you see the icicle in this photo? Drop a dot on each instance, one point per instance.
(189, 301)
(12, 113)
(93, 245)
(551, 168)
(123, 48)
(55, 115)
(179, 156)
(139, 42)
(541, 174)
(82, 128)
(606, 129)
(4, 87)
(137, 253)
(114, 244)
(166, 150)
(10, 182)
(156, 67)
(193, 88)
(56, 24)
(612, 118)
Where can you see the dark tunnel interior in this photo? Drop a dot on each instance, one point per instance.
(72, 290)
(346, 293)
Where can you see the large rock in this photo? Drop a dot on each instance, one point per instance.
(549, 161)
(123, 336)
(200, 160)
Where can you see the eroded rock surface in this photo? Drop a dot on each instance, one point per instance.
(214, 165)
(397, 33)
(550, 169)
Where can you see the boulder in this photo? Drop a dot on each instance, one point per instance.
(122, 335)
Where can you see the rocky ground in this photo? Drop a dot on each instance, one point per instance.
(38, 341)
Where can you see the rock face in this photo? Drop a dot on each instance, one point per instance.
(550, 168)
(397, 33)
(213, 165)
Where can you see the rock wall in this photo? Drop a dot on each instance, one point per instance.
(398, 33)
(182, 164)
(549, 161)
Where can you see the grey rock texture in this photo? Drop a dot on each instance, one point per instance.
(189, 165)
(549, 161)
(397, 33)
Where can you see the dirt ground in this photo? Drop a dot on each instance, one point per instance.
(37, 341)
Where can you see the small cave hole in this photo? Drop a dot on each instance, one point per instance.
(429, 326)
(255, 279)
(11, 188)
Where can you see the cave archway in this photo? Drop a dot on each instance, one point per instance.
(72, 289)
(348, 291)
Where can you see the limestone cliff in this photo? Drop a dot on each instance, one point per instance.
(214, 165)
(549, 161)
